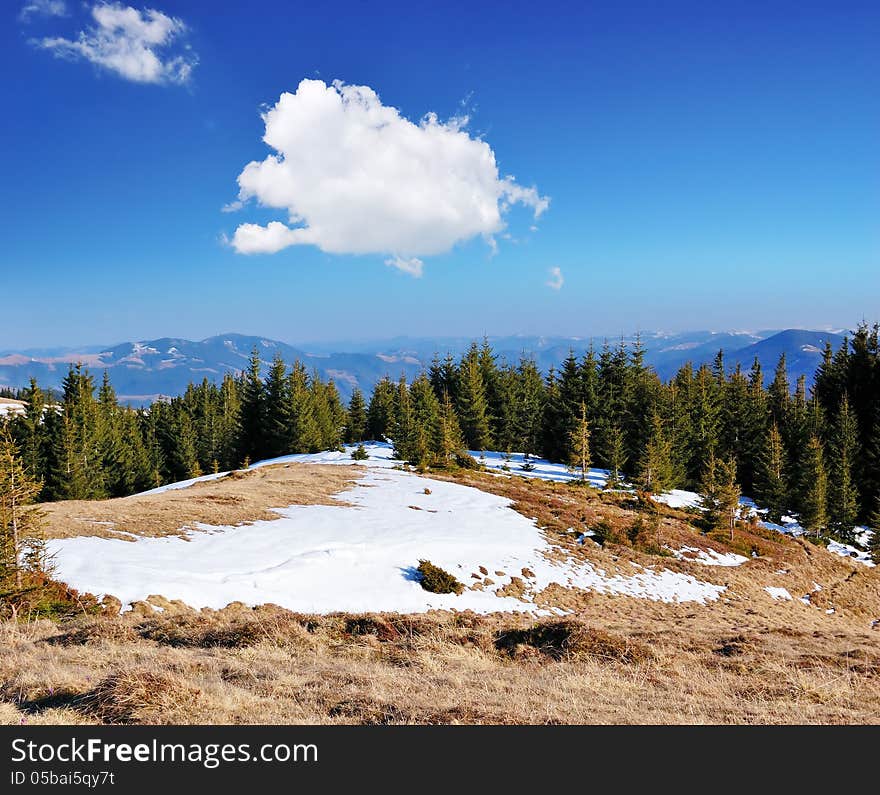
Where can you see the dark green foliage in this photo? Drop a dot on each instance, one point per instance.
(252, 414)
(382, 411)
(471, 406)
(721, 494)
(356, 427)
(437, 580)
(843, 495)
(813, 489)
(22, 549)
(772, 487)
(360, 453)
(655, 466)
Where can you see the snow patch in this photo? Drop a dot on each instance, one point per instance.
(325, 558)
(778, 593)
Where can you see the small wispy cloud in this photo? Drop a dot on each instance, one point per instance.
(42, 8)
(141, 46)
(556, 279)
(232, 207)
(410, 265)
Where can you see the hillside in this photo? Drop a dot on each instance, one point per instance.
(575, 607)
(142, 371)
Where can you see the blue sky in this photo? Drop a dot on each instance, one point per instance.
(707, 165)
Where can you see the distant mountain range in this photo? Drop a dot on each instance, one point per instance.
(143, 371)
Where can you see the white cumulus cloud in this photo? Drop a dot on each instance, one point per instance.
(137, 45)
(556, 280)
(42, 8)
(356, 177)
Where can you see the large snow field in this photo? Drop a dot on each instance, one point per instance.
(358, 557)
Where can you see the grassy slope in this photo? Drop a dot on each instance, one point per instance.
(745, 658)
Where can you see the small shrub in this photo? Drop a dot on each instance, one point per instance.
(464, 461)
(437, 580)
(360, 453)
(371, 625)
(602, 532)
(42, 597)
(142, 696)
(572, 640)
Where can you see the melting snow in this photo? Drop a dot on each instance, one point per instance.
(778, 593)
(324, 558)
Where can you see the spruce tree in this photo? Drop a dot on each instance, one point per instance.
(579, 444)
(755, 428)
(813, 489)
(721, 493)
(771, 478)
(679, 402)
(228, 430)
(356, 428)
(328, 413)
(20, 537)
(302, 429)
(427, 439)
(451, 444)
(704, 425)
(275, 431)
(382, 410)
(252, 413)
(493, 390)
(874, 539)
(655, 470)
(614, 455)
(31, 432)
(76, 465)
(529, 407)
(472, 408)
(843, 496)
(553, 446)
(404, 434)
(779, 394)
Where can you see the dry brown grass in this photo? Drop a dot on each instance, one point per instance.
(615, 664)
(237, 498)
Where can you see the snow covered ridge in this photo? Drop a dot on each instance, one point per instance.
(325, 558)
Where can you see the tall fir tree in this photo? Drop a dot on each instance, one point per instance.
(772, 480)
(276, 439)
(252, 412)
(529, 407)
(579, 445)
(20, 537)
(382, 410)
(472, 408)
(843, 496)
(813, 489)
(655, 469)
(356, 427)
